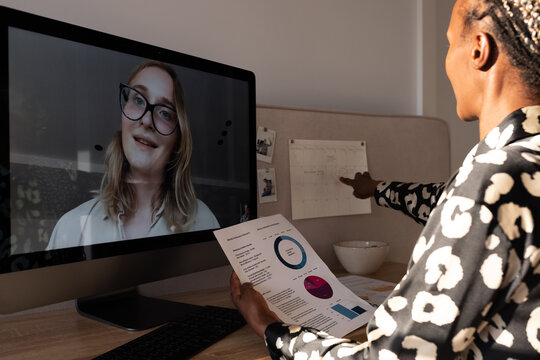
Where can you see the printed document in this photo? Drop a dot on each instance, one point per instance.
(297, 285)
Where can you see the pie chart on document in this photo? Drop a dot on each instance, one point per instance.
(318, 287)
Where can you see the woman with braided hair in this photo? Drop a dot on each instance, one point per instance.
(472, 289)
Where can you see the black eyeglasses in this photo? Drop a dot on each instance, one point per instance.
(134, 105)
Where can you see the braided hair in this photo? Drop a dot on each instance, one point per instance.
(516, 26)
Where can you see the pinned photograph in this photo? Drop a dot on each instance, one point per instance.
(266, 179)
(266, 139)
(244, 212)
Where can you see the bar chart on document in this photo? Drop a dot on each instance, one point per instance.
(315, 168)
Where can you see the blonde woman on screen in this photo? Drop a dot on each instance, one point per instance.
(146, 189)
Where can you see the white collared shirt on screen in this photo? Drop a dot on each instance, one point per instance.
(87, 224)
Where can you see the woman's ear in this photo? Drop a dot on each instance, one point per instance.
(484, 52)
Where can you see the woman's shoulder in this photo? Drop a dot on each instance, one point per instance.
(500, 175)
(203, 210)
(201, 206)
(68, 229)
(83, 209)
(204, 217)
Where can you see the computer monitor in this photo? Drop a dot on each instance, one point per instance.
(94, 128)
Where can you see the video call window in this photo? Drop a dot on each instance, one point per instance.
(67, 104)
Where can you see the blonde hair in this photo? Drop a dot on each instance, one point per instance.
(176, 193)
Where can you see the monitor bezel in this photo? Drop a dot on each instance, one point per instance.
(39, 24)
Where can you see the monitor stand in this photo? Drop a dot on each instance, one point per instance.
(130, 310)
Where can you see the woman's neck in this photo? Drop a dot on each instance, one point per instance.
(138, 222)
(494, 115)
(503, 95)
(501, 92)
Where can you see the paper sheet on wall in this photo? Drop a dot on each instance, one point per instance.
(296, 283)
(315, 168)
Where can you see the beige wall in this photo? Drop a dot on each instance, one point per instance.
(435, 95)
(463, 136)
(305, 53)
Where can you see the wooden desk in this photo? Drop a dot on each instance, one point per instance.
(64, 334)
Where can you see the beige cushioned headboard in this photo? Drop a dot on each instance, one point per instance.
(402, 148)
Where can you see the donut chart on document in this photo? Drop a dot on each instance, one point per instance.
(287, 257)
(318, 287)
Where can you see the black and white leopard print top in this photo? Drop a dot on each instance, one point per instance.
(472, 289)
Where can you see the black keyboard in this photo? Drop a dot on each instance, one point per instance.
(181, 339)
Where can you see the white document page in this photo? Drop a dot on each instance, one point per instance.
(297, 285)
(373, 291)
(315, 168)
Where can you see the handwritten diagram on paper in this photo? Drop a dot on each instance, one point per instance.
(315, 167)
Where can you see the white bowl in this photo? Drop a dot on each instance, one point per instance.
(361, 257)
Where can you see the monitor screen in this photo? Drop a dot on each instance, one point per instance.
(111, 147)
